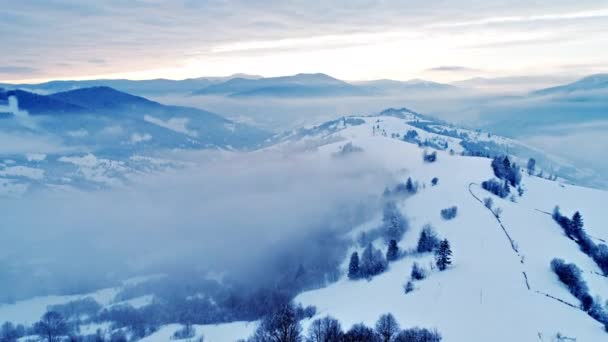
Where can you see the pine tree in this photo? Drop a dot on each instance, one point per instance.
(577, 225)
(393, 251)
(428, 240)
(417, 272)
(443, 255)
(506, 189)
(506, 164)
(408, 287)
(531, 166)
(372, 262)
(353, 266)
(409, 186)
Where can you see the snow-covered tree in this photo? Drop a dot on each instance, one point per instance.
(418, 273)
(387, 327)
(417, 335)
(577, 224)
(280, 326)
(51, 327)
(410, 186)
(326, 329)
(443, 255)
(392, 253)
(372, 262)
(353, 266)
(572, 277)
(394, 224)
(488, 202)
(361, 333)
(428, 240)
(531, 166)
(449, 213)
(408, 287)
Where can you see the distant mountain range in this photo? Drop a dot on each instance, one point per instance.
(140, 87)
(93, 111)
(240, 85)
(589, 83)
(305, 85)
(99, 136)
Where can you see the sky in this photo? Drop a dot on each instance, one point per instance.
(443, 40)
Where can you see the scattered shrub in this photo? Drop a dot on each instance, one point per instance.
(347, 149)
(187, 331)
(574, 229)
(11, 333)
(411, 136)
(434, 181)
(418, 273)
(408, 287)
(497, 212)
(449, 213)
(571, 276)
(74, 309)
(494, 186)
(506, 170)
(429, 157)
(488, 202)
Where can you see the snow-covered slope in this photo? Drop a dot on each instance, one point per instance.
(484, 296)
(500, 286)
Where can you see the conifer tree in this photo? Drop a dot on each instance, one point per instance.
(393, 251)
(409, 186)
(428, 240)
(577, 225)
(443, 255)
(353, 266)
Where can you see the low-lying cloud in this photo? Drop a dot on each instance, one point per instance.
(225, 212)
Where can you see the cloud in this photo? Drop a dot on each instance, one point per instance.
(179, 125)
(226, 211)
(451, 68)
(15, 143)
(17, 70)
(589, 14)
(97, 61)
(369, 38)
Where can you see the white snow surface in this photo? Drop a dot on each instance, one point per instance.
(484, 295)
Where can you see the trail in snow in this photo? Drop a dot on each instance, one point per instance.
(516, 250)
(513, 244)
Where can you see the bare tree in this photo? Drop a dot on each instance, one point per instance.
(326, 329)
(51, 326)
(386, 327)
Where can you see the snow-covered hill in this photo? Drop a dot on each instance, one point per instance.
(485, 295)
(94, 137)
(500, 286)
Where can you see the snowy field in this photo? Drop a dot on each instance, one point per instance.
(496, 289)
